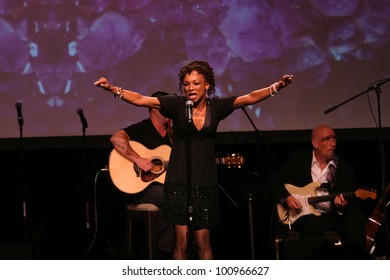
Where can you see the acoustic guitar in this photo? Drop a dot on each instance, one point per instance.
(129, 178)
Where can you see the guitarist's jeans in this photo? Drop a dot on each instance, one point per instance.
(350, 226)
(154, 194)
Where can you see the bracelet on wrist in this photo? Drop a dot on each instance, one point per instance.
(118, 93)
(273, 90)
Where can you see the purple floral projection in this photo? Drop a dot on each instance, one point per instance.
(53, 50)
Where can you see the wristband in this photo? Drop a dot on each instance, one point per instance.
(273, 90)
(119, 93)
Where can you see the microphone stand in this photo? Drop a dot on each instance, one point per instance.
(376, 86)
(250, 196)
(258, 140)
(190, 210)
(84, 127)
(24, 203)
(258, 137)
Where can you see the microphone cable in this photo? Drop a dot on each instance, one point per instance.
(95, 215)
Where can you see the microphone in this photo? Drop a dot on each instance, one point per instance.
(327, 111)
(189, 105)
(82, 118)
(19, 110)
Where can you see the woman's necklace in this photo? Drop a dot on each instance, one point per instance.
(197, 111)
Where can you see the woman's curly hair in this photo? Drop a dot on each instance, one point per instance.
(202, 67)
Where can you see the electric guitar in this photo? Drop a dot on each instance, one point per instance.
(308, 198)
(129, 178)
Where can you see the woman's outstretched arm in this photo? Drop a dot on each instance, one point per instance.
(128, 96)
(263, 93)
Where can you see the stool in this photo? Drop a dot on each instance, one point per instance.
(149, 214)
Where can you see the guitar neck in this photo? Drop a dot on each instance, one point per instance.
(322, 198)
(234, 160)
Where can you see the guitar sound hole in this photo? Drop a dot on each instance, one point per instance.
(158, 166)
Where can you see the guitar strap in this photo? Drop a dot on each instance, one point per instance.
(170, 131)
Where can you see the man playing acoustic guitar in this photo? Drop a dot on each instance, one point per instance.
(319, 172)
(133, 171)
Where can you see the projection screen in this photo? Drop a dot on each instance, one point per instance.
(52, 51)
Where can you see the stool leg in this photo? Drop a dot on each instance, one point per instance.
(151, 228)
(129, 237)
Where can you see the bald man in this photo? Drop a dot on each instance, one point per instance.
(331, 174)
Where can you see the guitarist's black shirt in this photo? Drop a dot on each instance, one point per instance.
(145, 133)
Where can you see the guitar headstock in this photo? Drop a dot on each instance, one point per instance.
(231, 160)
(366, 193)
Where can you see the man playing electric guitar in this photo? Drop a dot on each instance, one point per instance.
(152, 133)
(320, 164)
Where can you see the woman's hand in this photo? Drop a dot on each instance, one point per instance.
(285, 81)
(103, 83)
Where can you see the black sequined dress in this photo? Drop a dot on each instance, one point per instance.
(203, 175)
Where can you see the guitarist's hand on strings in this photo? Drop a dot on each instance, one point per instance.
(340, 202)
(293, 204)
(144, 163)
(121, 142)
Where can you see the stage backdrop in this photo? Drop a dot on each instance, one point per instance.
(52, 51)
